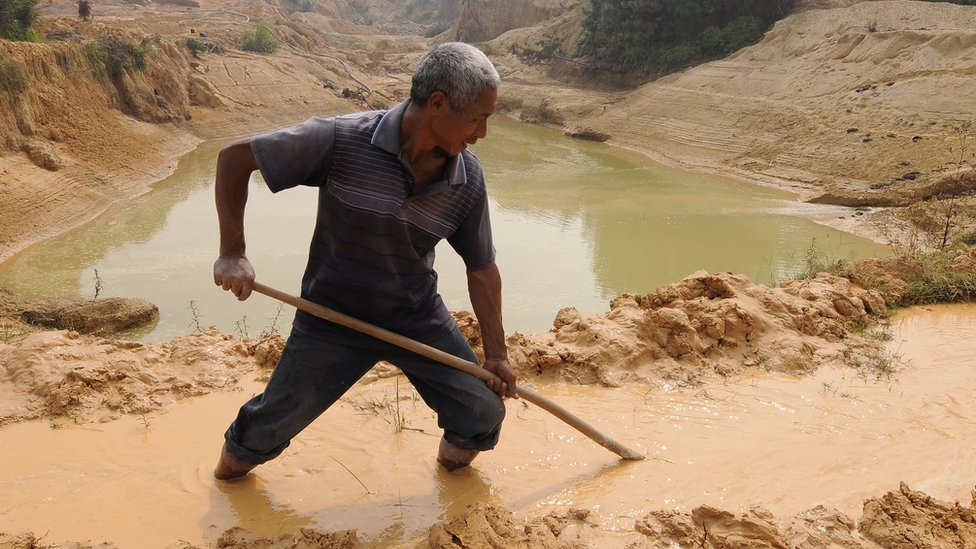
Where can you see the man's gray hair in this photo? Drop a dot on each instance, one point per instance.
(461, 71)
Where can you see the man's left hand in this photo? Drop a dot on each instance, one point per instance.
(505, 384)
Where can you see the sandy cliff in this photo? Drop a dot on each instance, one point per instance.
(839, 104)
(862, 105)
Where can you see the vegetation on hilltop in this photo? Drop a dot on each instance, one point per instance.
(260, 40)
(116, 55)
(435, 15)
(17, 19)
(666, 34)
(292, 6)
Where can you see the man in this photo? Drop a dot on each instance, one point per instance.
(391, 185)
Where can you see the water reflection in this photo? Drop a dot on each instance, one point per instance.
(254, 510)
(51, 269)
(579, 223)
(576, 223)
(458, 490)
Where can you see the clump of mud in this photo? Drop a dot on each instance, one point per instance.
(89, 316)
(306, 538)
(85, 378)
(900, 519)
(704, 324)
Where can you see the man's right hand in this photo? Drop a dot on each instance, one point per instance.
(234, 273)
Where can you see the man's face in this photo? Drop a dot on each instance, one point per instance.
(456, 130)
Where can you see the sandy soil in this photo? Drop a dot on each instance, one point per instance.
(757, 459)
(837, 104)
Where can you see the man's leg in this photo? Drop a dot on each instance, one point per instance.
(309, 377)
(451, 457)
(229, 467)
(470, 413)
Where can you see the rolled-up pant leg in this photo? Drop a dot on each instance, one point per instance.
(312, 374)
(467, 409)
(309, 377)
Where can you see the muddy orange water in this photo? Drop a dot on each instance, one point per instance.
(784, 443)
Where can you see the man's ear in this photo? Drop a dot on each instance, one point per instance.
(439, 102)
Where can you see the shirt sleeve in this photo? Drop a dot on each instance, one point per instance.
(472, 239)
(296, 155)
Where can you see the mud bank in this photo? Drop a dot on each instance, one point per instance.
(704, 325)
(758, 459)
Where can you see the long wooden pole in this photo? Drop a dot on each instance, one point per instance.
(447, 359)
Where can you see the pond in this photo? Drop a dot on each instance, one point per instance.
(576, 223)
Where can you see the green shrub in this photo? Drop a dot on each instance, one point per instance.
(676, 56)
(418, 10)
(969, 239)
(115, 56)
(816, 261)
(436, 28)
(939, 283)
(13, 76)
(739, 33)
(17, 19)
(293, 6)
(194, 45)
(260, 40)
(665, 34)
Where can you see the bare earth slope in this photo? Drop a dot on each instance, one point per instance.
(77, 140)
(832, 101)
(841, 102)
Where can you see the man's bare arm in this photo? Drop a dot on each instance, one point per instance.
(485, 290)
(232, 270)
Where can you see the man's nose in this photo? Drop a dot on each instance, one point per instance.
(482, 129)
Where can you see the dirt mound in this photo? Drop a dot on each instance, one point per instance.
(239, 538)
(80, 139)
(708, 527)
(97, 316)
(908, 519)
(899, 519)
(85, 133)
(54, 374)
(485, 525)
(482, 21)
(704, 324)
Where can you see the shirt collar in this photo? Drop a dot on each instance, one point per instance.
(387, 137)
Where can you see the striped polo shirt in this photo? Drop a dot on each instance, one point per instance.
(372, 251)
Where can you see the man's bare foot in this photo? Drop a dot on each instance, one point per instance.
(452, 457)
(229, 467)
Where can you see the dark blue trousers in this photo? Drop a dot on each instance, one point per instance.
(312, 374)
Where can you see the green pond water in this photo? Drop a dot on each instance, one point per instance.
(576, 223)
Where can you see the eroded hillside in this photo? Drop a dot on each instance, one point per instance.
(863, 105)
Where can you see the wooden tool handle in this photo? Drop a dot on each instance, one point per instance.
(447, 359)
